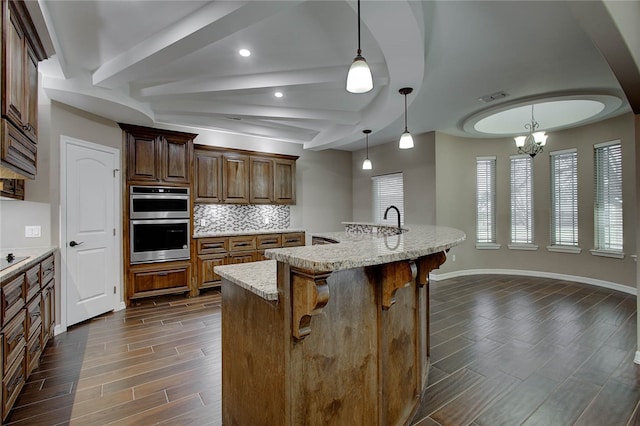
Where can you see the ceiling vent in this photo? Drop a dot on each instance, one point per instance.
(493, 97)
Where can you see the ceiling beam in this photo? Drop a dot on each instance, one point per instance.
(205, 26)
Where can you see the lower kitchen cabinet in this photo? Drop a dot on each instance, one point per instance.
(28, 316)
(233, 249)
(156, 279)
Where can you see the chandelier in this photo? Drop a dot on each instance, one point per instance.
(532, 143)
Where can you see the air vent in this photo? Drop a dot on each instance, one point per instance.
(493, 97)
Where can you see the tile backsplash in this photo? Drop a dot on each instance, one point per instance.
(234, 217)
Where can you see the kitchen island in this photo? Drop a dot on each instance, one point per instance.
(332, 333)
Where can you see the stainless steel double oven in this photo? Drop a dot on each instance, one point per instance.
(159, 224)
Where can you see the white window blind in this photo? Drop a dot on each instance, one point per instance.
(608, 196)
(388, 190)
(564, 198)
(486, 200)
(521, 199)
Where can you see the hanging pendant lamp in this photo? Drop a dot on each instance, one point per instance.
(406, 140)
(359, 79)
(366, 164)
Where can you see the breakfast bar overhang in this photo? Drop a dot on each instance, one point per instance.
(332, 333)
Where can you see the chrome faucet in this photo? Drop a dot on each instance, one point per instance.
(397, 211)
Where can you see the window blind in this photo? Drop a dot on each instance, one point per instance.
(608, 196)
(564, 198)
(388, 190)
(486, 200)
(521, 199)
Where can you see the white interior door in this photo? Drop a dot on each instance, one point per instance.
(88, 232)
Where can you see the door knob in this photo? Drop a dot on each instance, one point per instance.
(73, 243)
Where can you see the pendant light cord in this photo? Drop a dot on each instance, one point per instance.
(405, 113)
(359, 50)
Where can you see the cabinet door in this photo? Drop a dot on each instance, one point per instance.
(261, 186)
(208, 177)
(176, 160)
(143, 158)
(284, 181)
(18, 151)
(242, 257)
(30, 121)
(14, 63)
(206, 275)
(235, 179)
(12, 188)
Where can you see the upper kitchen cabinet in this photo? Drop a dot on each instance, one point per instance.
(157, 156)
(230, 176)
(235, 178)
(21, 52)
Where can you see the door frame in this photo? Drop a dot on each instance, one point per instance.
(65, 141)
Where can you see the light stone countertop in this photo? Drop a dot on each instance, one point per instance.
(355, 250)
(352, 251)
(257, 277)
(35, 255)
(209, 234)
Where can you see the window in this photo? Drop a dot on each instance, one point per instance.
(388, 190)
(608, 196)
(486, 202)
(521, 199)
(564, 199)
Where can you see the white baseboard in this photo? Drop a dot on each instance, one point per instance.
(575, 278)
(120, 307)
(637, 358)
(58, 329)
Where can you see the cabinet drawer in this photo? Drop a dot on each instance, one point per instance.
(242, 243)
(47, 270)
(241, 257)
(34, 317)
(12, 298)
(12, 384)
(14, 339)
(33, 352)
(268, 241)
(153, 280)
(33, 282)
(293, 239)
(212, 245)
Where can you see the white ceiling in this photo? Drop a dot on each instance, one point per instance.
(176, 62)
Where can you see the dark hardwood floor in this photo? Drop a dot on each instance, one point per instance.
(506, 350)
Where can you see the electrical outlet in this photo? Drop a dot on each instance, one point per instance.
(32, 231)
(453, 258)
(203, 222)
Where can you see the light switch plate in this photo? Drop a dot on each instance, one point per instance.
(32, 231)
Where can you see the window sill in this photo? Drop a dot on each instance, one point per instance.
(565, 249)
(608, 253)
(488, 246)
(520, 246)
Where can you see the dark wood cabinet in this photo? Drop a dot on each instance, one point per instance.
(12, 188)
(157, 156)
(159, 278)
(208, 177)
(243, 177)
(235, 179)
(22, 50)
(284, 181)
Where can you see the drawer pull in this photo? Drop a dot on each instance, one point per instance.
(242, 244)
(162, 274)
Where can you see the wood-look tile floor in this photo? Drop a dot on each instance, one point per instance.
(506, 350)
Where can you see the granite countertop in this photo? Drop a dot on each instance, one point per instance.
(258, 277)
(232, 233)
(35, 255)
(355, 250)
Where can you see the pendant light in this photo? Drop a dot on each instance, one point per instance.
(366, 164)
(359, 79)
(534, 142)
(406, 140)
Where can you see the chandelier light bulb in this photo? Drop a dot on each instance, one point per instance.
(520, 141)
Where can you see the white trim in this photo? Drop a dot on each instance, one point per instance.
(488, 246)
(64, 142)
(575, 278)
(487, 157)
(565, 249)
(607, 253)
(564, 151)
(637, 358)
(120, 306)
(605, 144)
(520, 246)
(516, 156)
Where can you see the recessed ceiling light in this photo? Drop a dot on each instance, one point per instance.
(278, 94)
(244, 52)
